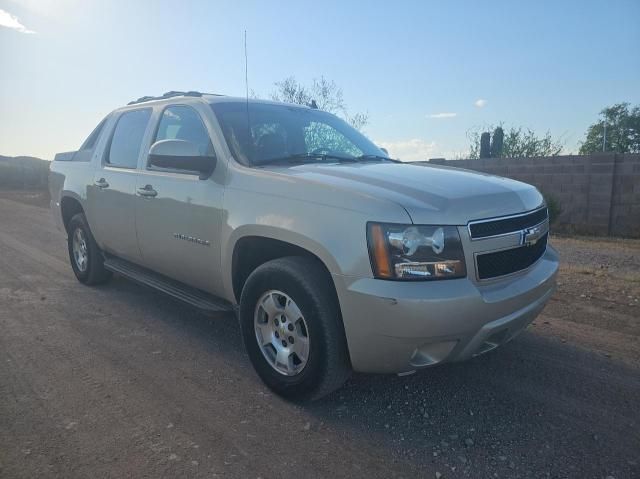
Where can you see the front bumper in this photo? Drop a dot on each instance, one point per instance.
(398, 327)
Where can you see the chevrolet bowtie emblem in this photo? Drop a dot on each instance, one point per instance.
(530, 236)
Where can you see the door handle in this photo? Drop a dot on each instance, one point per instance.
(101, 183)
(147, 191)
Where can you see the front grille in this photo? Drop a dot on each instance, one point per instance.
(500, 263)
(498, 226)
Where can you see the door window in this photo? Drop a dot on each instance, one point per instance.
(183, 123)
(127, 138)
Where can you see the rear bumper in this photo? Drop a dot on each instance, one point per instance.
(396, 327)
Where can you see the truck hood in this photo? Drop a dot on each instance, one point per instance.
(431, 194)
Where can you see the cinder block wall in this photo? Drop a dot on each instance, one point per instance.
(598, 194)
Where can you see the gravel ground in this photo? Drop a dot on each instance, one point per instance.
(120, 381)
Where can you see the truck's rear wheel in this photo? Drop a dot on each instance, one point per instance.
(85, 255)
(292, 331)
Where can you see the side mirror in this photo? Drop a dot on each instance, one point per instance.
(181, 155)
(385, 150)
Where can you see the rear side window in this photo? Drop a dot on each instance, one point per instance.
(127, 138)
(183, 123)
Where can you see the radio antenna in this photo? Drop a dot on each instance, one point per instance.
(246, 84)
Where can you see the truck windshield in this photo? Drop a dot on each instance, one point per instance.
(272, 133)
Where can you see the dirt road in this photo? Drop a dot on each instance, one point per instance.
(120, 381)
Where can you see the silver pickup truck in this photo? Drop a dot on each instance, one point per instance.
(334, 256)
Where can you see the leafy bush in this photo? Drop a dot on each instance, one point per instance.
(512, 143)
(554, 207)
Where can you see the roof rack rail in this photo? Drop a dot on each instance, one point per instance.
(169, 94)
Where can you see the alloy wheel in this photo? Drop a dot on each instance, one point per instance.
(80, 250)
(281, 332)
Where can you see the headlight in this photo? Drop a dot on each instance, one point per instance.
(409, 252)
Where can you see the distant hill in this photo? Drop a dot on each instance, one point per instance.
(23, 172)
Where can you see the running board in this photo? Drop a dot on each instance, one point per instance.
(192, 296)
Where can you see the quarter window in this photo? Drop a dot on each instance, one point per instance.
(91, 140)
(127, 138)
(183, 123)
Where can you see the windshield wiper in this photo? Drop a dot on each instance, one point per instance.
(301, 157)
(375, 157)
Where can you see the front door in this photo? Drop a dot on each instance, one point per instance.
(111, 195)
(178, 214)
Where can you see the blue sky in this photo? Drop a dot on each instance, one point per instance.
(547, 65)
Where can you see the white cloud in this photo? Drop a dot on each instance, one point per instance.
(11, 21)
(443, 115)
(414, 149)
(480, 102)
(58, 9)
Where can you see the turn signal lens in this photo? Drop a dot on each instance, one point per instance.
(378, 244)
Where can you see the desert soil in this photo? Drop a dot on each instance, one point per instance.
(121, 381)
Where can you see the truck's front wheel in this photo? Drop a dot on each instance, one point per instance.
(85, 255)
(292, 331)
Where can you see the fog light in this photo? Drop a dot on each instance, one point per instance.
(442, 269)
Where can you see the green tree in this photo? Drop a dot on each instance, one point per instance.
(326, 94)
(622, 128)
(517, 143)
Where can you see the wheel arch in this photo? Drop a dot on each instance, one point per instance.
(70, 205)
(256, 248)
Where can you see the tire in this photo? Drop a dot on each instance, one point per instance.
(89, 269)
(306, 283)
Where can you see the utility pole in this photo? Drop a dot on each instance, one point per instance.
(604, 138)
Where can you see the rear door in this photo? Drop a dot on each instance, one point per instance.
(178, 214)
(111, 196)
